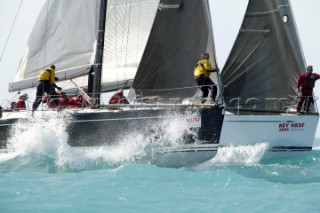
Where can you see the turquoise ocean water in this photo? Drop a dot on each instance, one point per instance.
(43, 174)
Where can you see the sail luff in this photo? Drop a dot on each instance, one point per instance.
(215, 76)
(99, 53)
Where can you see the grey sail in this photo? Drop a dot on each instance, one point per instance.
(178, 37)
(266, 58)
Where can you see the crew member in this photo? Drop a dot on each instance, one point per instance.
(66, 101)
(46, 85)
(118, 98)
(305, 85)
(21, 103)
(201, 74)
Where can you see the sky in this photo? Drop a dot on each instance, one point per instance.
(226, 16)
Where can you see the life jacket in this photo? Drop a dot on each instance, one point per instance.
(202, 68)
(47, 75)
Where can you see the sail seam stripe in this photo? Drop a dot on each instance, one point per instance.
(267, 12)
(255, 31)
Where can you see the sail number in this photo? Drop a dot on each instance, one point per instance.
(286, 127)
(194, 121)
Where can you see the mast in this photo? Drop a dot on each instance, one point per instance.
(94, 81)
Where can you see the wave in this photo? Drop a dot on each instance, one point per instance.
(316, 145)
(41, 144)
(254, 162)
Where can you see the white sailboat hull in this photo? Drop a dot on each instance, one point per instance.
(285, 132)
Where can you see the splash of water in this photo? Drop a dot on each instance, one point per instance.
(241, 154)
(42, 142)
(248, 155)
(170, 132)
(316, 145)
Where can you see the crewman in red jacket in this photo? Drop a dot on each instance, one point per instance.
(305, 85)
(67, 101)
(21, 103)
(118, 98)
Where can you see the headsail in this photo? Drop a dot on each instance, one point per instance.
(266, 58)
(127, 29)
(178, 37)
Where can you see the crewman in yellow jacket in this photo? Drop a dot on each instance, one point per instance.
(201, 74)
(46, 84)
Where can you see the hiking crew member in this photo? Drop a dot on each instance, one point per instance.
(305, 85)
(118, 98)
(201, 75)
(21, 103)
(46, 85)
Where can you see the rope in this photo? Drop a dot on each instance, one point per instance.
(15, 18)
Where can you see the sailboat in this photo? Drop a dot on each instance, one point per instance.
(146, 46)
(260, 82)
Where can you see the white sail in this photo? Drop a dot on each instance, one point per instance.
(64, 35)
(128, 26)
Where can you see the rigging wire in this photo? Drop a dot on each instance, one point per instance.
(15, 18)
(127, 44)
(117, 43)
(124, 42)
(138, 36)
(46, 35)
(119, 49)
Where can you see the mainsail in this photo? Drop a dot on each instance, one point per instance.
(266, 58)
(65, 34)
